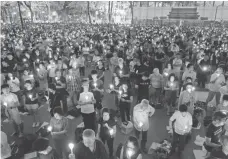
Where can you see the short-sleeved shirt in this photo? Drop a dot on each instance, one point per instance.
(104, 132)
(10, 99)
(99, 85)
(32, 92)
(143, 86)
(88, 108)
(59, 125)
(126, 95)
(214, 133)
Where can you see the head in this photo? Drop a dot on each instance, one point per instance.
(94, 74)
(172, 77)
(125, 86)
(10, 76)
(183, 108)
(156, 71)
(10, 56)
(225, 100)
(144, 104)
(85, 85)
(169, 66)
(105, 114)
(219, 70)
(190, 67)
(5, 89)
(132, 143)
(219, 118)
(188, 80)
(120, 61)
(58, 113)
(26, 72)
(41, 65)
(88, 137)
(28, 85)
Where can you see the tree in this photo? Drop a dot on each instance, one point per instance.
(28, 4)
(88, 11)
(132, 12)
(19, 8)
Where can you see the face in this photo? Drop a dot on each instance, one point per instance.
(28, 86)
(25, 72)
(220, 123)
(5, 91)
(94, 76)
(172, 78)
(10, 75)
(10, 57)
(57, 116)
(88, 141)
(191, 68)
(156, 71)
(189, 88)
(106, 116)
(125, 87)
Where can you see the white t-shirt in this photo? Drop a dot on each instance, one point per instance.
(85, 97)
(5, 147)
(52, 69)
(182, 123)
(14, 84)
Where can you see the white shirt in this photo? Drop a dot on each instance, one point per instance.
(85, 97)
(5, 147)
(51, 68)
(182, 123)
(14, 84)
(141, 115)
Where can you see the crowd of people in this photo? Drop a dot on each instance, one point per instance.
(156, 66)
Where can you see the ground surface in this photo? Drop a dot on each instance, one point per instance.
(157, 132)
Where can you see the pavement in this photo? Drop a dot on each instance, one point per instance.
(156, 133)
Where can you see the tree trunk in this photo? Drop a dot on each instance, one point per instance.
(213, 3)
(204, 3)
(223, 2)
(32, 14)
(19, 8)
(109, 10)
(88, 12)
(132, 13)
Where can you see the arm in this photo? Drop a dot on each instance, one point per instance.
(180, 99)
(209, 143)
(65, 127)
(98, 130)
(152, 111)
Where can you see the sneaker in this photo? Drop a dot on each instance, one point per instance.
(33, 125)
(37, 124)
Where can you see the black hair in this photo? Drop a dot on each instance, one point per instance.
(58, 110)
(4, 86)
(134, 141)
(189, 65)
(183, 108)
(188, 84)
(93, 72)
(187, 78)
(172, 74)
(219, 115)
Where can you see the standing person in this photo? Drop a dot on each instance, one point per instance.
(100, 70)
(143, 87)
(97, 88)
(107, 129)
(156, 87)
(42, 77)
(51, 68)
(10, 102)
(224, 90)
(216, 81)
(122, 71)
(73, 84)
(5, 147)
(141, 114)
(203, 71)
(31, 102)
(81, 63)
(181, 128)
(59, 126)
(130, 150)
(188, 97)
(86, 104)
(214, 131)
(114, 62)
(90, 147)
(171, 88)
(177, 63)
(126, 99)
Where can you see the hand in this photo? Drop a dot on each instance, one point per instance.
(32, 99)
(71, 156)
(136, 86)
(123, 100)
(106, 124)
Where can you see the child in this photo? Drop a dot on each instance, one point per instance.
(81, 63)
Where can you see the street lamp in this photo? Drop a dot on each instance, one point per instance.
(217, 11)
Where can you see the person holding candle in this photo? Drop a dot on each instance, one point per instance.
(216, 82)
(181, 124)
(214, 132)
(97, 88)
(86, 104)
(189, 72)
(141, 114)
(90, 147)
(126, 98)
(113, 62)
(121, 71)
(203, 71)
(143, 87)
(130, 150)
(188, 97)
(31, 102)
(59, 126)
(27, 75)
(100, 71)
(10, 102)
(42, 77)
(167, 71)
(107, 129)
(171, 89)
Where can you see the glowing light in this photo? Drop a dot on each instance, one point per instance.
(130, 152)
(140, 124)
(95, 84)
(86, 97)
(120, 92)
(121, 72)
(5, 104)
(166, 74)
(38, 69)
(71, 146)
(30, 96)
(111, 131)
(193, 88)
(49, 128)
(171, 84)
(204, 68)
(111, 86)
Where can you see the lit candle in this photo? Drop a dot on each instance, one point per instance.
(5, 104)
(38, 69)
(166, 74)
(111, 131)
(171, 84)
(204, 68)
(140, 124)
(31, 75)
(130, 152)
(38, 60)
(24, 60)
(56, 78)
(95, 85)
(111, 86)
(86, 97)
(71, 146)
(121, 72)
(120, 92)
(30, 96)
(193, 88)
(49, 128)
